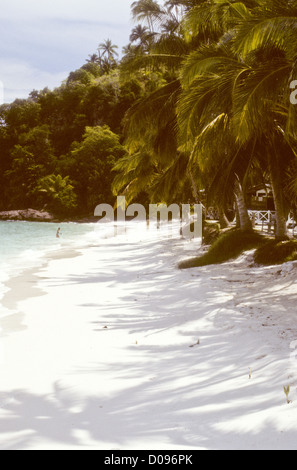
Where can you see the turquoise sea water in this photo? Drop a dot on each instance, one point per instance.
(18, 239)
(24, 244)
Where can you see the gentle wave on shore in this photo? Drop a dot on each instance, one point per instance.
(24, 245)
(27, 245)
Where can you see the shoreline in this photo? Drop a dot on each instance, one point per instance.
(124, 351)
(24, 286)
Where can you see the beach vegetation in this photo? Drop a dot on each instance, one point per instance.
(197, 109)
(276, 252)
(229, 246)
(226, 108)
(90, 165)
(56, 194)
(287, 393)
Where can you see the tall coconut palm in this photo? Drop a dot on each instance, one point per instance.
(218, 92)
(93, 59)
(108, 50)
(151, 129)
(151, 123)
(255, 113)
(259, 99)
(149, 12)
(233, 108)
(176, 8)
(141, 35)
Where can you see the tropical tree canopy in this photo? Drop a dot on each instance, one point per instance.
(225, 108)
(200, 107)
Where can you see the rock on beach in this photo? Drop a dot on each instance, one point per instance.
(30, 215)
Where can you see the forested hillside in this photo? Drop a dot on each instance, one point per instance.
(201, 103)
(58, 148)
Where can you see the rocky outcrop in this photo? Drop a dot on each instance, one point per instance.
(30, 215)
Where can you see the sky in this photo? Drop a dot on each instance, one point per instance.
(42, 41)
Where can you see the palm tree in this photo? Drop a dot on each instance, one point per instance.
(148, 11)
(272, 28)
(205, 124)
(151, 123)
(222, 120)
(93, 59)
(141, 38)
(272, 22)
(139, 34)
(175, 8)
(232, 97)
(108, 51)
(260, 109)
(266, 41)
(162, 51)
(135, 174)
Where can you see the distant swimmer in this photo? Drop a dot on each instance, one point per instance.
(58, 235)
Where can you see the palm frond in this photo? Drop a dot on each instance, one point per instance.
(170, 182)
(152, 123)
(135, 173)
(209, 59)
(213, 142)
(135, 62)
(256, 96)
(273, 23)
(212, 19)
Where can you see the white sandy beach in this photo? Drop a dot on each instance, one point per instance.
(113, 347)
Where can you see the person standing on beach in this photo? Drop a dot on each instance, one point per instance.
(58, 234)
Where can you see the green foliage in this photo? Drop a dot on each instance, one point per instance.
(276, 252)
(31, 159)
(287, 393)
(200, 99)
(230, 245)
(211, 232)
(21, 179)
(90, 165)
(82, 76)
(50, 135)
(57, 194)
(234, 62)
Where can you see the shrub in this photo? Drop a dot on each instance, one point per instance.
(229, 245)
(57, 193)
(276, 252)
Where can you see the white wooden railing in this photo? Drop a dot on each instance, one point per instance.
(262, 217)
(266, 217)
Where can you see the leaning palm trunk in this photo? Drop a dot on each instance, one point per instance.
(194, 187)
(223, 219)
(279, 200)
(245, 221)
